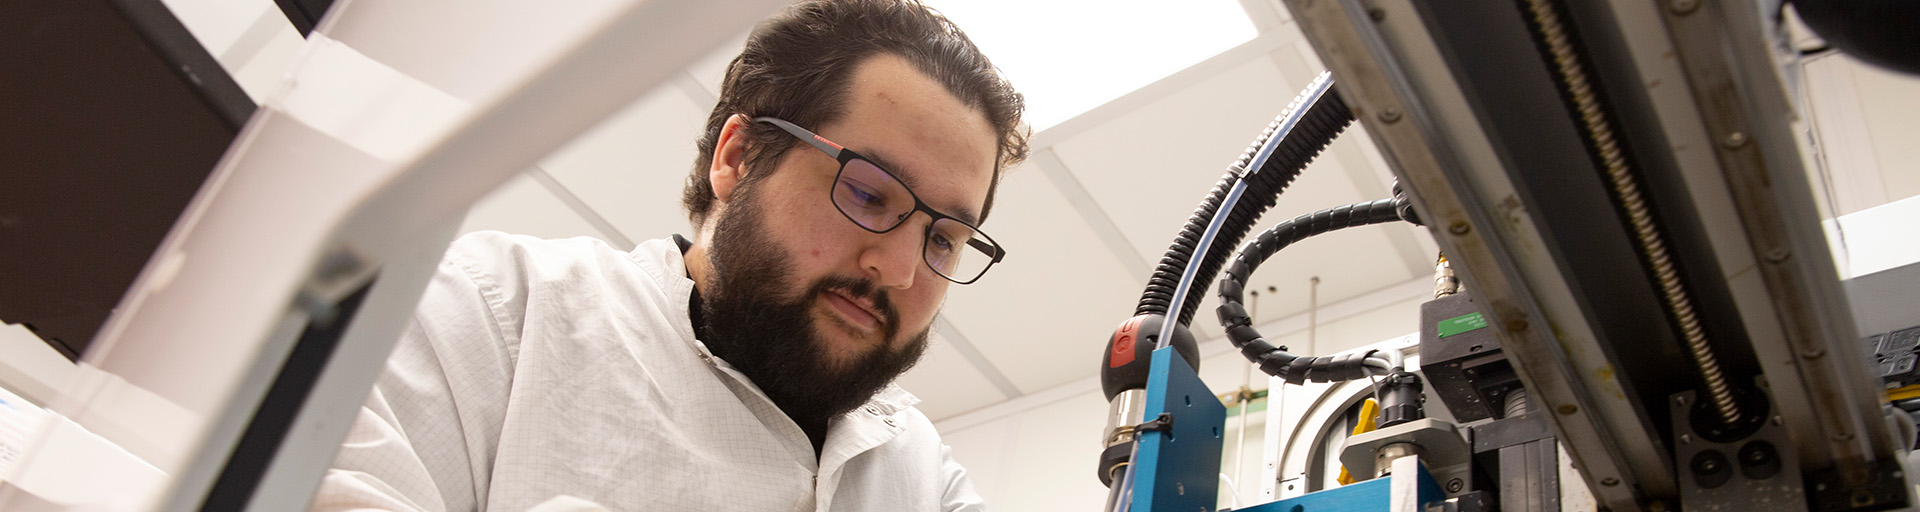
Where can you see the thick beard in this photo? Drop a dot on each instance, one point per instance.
(752, 322)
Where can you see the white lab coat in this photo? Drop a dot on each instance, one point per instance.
(536, 369)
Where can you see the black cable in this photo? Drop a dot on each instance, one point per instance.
(1233, 316)
(1324, 120)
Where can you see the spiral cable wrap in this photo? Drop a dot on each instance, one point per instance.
(1233, 316)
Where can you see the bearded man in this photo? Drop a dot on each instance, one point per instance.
(838, 193)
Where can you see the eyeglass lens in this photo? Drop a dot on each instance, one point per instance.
(873, 198)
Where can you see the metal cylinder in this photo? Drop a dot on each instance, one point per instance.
(1383, 458)
(1444, 282)
(1516, 403)
(1122, 414)
(1401, 400)
(1116, 440)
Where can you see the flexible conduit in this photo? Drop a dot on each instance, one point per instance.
(1268, 165)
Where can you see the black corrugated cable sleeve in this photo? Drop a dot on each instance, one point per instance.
(1276, 361)
(1324, 120)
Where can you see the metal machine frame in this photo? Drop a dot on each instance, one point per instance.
(1536, 139)
(1728, 134)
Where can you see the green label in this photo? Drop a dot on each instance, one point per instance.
(1463, 323)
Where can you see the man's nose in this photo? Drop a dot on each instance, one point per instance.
(894, 258)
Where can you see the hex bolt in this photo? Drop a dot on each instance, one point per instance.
(1517, 324)
(1735, 139)
(1390, 115)
(1459, 227)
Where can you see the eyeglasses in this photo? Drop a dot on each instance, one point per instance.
(878, 201)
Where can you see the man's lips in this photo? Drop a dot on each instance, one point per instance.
(857, 311)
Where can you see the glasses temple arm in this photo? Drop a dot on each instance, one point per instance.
(832, 149)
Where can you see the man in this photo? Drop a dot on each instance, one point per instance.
(854, 148)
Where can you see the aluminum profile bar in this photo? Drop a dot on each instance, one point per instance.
(1799, 321)
(1395, 80)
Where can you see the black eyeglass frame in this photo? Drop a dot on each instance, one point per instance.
(844, 155)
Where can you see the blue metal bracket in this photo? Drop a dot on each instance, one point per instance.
(1370, 496)
(1179, 468)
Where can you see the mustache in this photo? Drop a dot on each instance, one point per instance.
(865, 289)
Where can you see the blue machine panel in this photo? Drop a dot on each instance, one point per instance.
(1370, 496)
(1179, 470)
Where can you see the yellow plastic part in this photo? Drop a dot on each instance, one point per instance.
(1368, 410)
(1895, 395)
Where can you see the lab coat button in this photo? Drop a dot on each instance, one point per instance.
(890, 422)
(873, 410)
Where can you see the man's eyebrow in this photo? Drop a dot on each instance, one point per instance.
(965, 214)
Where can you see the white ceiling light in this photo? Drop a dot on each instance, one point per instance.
(1069, 56)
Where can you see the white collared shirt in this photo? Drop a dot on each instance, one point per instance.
(536, 369)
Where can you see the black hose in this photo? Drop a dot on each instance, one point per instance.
(1273, 360)
(1324, 120)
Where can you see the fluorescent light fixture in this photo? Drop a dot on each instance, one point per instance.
(1069, 56)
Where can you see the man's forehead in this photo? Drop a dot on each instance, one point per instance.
(911, 125)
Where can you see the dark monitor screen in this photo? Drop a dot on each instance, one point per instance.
(111, 117)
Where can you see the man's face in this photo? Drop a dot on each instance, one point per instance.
(835, 307)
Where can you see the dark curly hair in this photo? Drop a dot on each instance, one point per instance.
(796, 67)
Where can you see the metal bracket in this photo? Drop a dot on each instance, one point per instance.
(1760, 471)
(1170, 456)
(1439, 442)
(1164, 423)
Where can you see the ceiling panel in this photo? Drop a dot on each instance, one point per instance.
(1892, 117)
(946, 383)
(631, 168)
(1148, 168)
(523, 207)
(1042, 316)
(709, 70)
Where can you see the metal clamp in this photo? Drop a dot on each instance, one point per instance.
(1164, 423)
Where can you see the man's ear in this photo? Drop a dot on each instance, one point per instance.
(729, 158)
